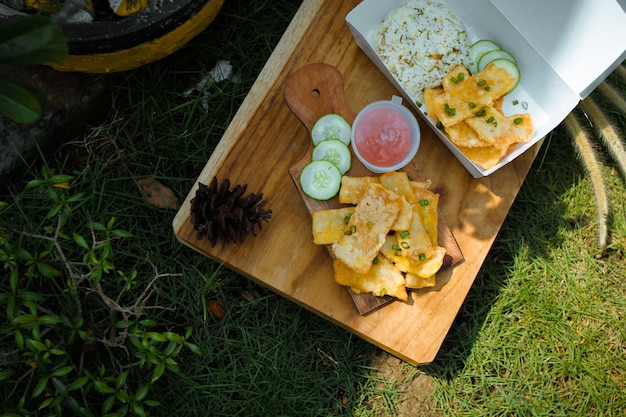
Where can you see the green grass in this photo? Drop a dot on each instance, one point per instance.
(541, 332)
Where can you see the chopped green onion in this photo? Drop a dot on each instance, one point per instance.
(370, 225)
(398, 252)
(375, 261)
(490, 119)
(487, 88)
(515, 102)
(396, 247)
(440, 125)
(451, 111)
(518, 120)
(461, 76)
(405, 234)
(421, 256)
(481, 112)
(471, 104)
(418, 103)
(346, 219)
(350, 231)
(405, 245)
(481, 83)
(424, 202)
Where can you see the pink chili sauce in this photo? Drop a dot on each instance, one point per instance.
(383, 136)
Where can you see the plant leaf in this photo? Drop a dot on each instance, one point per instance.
(49, 320)
(14, 280)
(6, 374)
(37, 345)
(46, 403)
(63, 370)
(40, 387)
(103, 388)
(121, 233)
(31, 40)
(138, 410)
(19, 339)
(80, 241)
(78, 383)
(121, 380)
(142, 392)
(119, 413)
(108, 404)
(19, 102)
(158, 371)
(47, 270)
(194, 348)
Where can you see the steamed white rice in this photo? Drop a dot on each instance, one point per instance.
(420, 42)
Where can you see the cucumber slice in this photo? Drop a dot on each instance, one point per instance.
(320, 180)
(477, 50)
(511, 68)
(334, 151)
(331, 126)
(492, 55)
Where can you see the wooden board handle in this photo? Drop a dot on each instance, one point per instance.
(315, 90)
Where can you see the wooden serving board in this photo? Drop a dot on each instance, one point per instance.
(264, 140)
(311, 92)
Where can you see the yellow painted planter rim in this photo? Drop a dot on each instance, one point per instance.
(145, 53)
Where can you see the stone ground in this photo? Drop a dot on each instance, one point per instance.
(73, 101)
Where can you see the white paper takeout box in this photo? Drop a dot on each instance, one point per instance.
(563, 48)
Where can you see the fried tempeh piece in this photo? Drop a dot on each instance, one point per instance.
(383, 278)
(329, 225)
(353, 188)
(495, 129)
(470, 95)
(365, 233)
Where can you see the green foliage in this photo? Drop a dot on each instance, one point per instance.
(27, 40)
(74, 324)
(31, 40)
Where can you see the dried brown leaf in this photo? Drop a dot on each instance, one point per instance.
(157, 194)
(217, 308)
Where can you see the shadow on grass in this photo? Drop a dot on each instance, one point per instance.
(533, 226)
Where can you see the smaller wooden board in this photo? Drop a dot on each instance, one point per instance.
(311, 92)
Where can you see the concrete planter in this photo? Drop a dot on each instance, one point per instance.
(147, 36)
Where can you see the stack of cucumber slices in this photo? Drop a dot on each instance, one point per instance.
(485, 51)
(331, 158)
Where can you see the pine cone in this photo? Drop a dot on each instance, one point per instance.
(220, 213)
